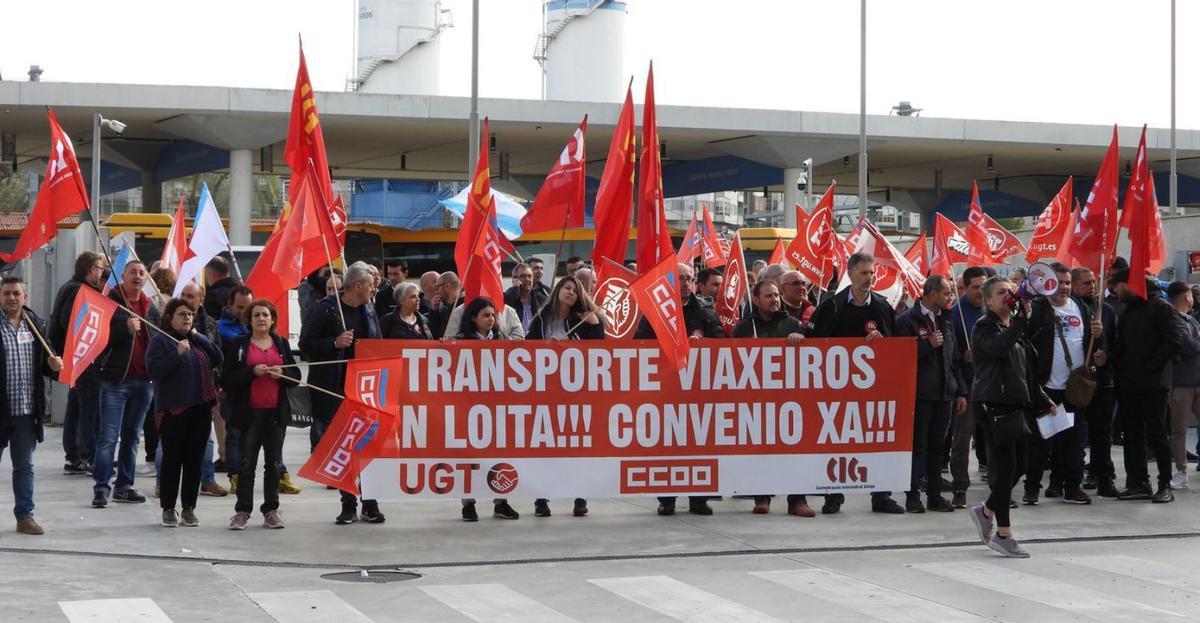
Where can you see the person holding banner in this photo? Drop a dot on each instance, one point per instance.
(941, 390)
(27, 361)
(1006, 399)
(83, 400)
(126, 390)
(328, 334)
(770, 321)
(182, 362)
(857, 312)
(699, 321)
(254, 380)
(569, 314)
(480, 324)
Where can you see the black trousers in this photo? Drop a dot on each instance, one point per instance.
(150, 433)
(1144, 416)
(931, 420)
(1099, 417)
(1064, 449)
(264, 432)
(1006, 466)
(183, 438)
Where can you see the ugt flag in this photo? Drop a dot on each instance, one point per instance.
(87, 334)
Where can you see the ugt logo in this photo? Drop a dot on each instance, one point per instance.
(87, 330)
(843, 470)
(618, 307)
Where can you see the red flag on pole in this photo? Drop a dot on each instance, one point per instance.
(176, 246)
(1052, 225)
(295, 257)
(712, 247)
(356, 435)
(733, 288)
(942, 260)
(1140, 215)
(477, 253)
(559, 203)
(689, 248)
(612, 296)
(1095, 235)
(658, 298)
(816, 249)
(917, 256)
(1064, 246)
(977, 235)
(653, 237)
(62, 194)
(614, 199)
(1001, 242)
(87, 334)
(778, 254)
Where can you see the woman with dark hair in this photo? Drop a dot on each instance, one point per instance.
(479, 323)
(405, 322)
(1008, 402)
(569, 314)
(181, 362)
(258, 372)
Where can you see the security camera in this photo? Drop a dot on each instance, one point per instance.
(115, 126)
(802, 181)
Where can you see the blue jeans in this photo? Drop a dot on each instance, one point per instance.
(122, 413)
(79, 426)
(22, 441)
(208, 475)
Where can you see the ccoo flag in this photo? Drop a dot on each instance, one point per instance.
(87, 333)
(356, 435)
(653, 237)
(658, 298)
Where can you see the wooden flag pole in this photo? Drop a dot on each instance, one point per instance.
(303, 384)
(37, 334)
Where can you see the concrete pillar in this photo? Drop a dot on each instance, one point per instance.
(240, 178)
(151, 193)
(791, 196)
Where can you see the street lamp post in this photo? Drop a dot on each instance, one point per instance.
(88, 238)
(862, 114)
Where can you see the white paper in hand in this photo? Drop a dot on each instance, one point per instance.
(1057, 422)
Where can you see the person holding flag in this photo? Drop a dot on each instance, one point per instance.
(27, 361)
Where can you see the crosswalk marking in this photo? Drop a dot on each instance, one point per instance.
(1048, 592)
(137, 610)
(1140, 569)
(681, 601)
(872, 600)
(308, 607)
(494, 602)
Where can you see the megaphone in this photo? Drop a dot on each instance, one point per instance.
(1042, 280)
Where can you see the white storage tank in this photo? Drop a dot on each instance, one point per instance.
(398, 46)
(582, 50)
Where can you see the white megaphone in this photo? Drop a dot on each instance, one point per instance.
(1041, 280)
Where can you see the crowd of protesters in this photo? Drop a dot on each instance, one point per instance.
(990, 361)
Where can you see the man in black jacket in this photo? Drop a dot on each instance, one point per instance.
(1060, 329)
(857, 312)
(523, 296)
(216, 273)
(395, 272)
(699, 321)
(324, 337)
(449, 293)
(1147, 339)
(1099, 413)
(22, 394)
(83, 400)
(940, 390)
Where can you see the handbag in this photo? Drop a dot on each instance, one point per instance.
(300, 405)
(1081, 383)
(1008, 424)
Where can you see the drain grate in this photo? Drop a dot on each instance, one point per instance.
(375, 576)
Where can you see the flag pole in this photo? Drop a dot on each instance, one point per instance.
(325, 243)
(233, 260)
(303, 384)
(37, 334)
(962, 317)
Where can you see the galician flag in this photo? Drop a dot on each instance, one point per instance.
(208, 240)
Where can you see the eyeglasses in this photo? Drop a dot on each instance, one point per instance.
(796, 283)
(686, 279)
(184, 314)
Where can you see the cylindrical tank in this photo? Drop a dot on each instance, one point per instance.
(585, 50)
(398, 47)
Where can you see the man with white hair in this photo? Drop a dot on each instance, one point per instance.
(428, 283)
(587, 278)
(324, 337)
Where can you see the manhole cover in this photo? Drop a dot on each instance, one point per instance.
(377, 576)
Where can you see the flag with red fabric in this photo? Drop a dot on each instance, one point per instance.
(713, 249)
(977, 235)
(477, 251)
(917, 255)
(816, 250)
(614, 198)
(1064, 246)
(942, 259)
(1001, 242)
(733, 288)
(357, 434)
(299, 248)
(1052, 225)
(658, 297)
(1095, 235)
(559, 202)
(689, 248)
(87, 333)
(616, 303)
(653, 236)
(1140, 215)
(62, 194)
(176, 246)
(778, 254)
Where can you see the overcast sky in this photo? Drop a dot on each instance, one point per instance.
(1086, 61)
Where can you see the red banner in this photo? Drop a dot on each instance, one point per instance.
(582, 419)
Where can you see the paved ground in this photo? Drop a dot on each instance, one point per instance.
(1112, 561)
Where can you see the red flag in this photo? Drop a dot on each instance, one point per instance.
(1001, 242)
(894, 274)
(375, 382)
(87, 335)
(176, 245)
(487, 257)
(1140, 215)
(733, 288)
(356, 435)
(653, 237)
(689, 248)
(917, 256)
(1096, 227)
(61, 195)
(940, 262)
(294, 258)
(559, 203)
(477, 251)
(816, 250)
(612, 296)
(1064, 246)
(1051, 225)
(614, 199)
(977, 235)
(713, 247)
(778, 254)
(657, 295)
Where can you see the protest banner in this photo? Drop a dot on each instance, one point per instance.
(611, 418)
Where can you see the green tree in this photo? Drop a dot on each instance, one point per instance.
(14, 193)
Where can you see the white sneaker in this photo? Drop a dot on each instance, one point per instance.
(1179, 481)
(146, 469)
